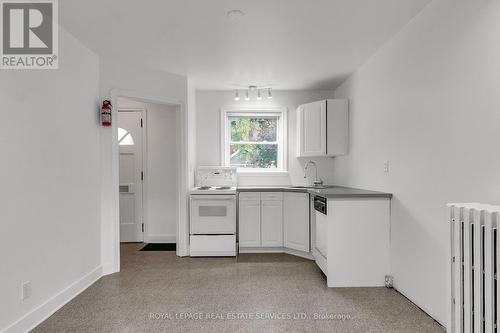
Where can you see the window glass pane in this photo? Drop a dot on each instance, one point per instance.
(253, 129)
(127, 140)
(254, 155)
(124, 137)
(121, 133)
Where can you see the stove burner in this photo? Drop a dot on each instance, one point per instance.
(222, 188)
(204, 188)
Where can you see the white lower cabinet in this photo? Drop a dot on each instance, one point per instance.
(296, 221)
(352, 243)
(249, 223)
(261, 221)
(272, 223)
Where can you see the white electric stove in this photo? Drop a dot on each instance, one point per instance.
(213, 190)
(213, 212)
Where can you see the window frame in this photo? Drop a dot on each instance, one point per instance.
(282, 138)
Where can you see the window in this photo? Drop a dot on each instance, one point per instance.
(124, 137)
(254, 139)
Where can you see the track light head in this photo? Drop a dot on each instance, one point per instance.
(269, 93)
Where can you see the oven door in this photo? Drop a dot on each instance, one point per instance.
(213, 214)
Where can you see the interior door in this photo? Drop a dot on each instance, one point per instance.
(131, 158)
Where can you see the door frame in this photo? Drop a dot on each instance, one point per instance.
(111, 241)
(144, 160)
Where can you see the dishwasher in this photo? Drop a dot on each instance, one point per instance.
(321, 246)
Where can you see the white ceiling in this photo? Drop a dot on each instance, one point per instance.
(289, 44)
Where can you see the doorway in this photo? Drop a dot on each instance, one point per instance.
(110, 196)
(131, 156)
(148, 171)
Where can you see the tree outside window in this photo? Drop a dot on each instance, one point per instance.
(254, 141)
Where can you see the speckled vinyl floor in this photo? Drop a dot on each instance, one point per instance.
(160, 292)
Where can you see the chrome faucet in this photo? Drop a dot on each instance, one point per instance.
(317, 182)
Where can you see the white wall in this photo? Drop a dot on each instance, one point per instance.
(160, 177)
(161, 173)
(191, 128)
(50, 175)
(208, 106)
(428, 101)
(128, 80)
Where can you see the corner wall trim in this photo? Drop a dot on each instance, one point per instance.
(109, 268)
(49, 307)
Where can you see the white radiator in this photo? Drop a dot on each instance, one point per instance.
(474, 263)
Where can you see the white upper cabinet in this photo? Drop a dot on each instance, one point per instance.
(323, 128)
(313, 129)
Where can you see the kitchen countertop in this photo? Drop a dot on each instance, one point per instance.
(329, 192)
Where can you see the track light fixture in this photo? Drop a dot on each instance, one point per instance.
(250, 90)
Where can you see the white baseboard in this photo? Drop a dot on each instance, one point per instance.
(305, 255)
(109, 268)
(262, 250)
(293, 252)
(424, 309)
(161, 238)
(45, 310)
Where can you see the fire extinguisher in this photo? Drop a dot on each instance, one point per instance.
(106, 113)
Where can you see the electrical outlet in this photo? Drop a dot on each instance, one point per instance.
(389, 281)
(386, 166)
(26, 290)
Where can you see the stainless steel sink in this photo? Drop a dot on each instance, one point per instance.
(309, 187)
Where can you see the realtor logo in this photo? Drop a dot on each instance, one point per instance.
(29, 38)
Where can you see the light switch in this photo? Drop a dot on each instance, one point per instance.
(26, 290)
(386, 166)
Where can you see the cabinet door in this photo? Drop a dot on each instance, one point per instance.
(313, 129)
(272, 223)
(296, 221)
(337, 124)
(249, 223)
